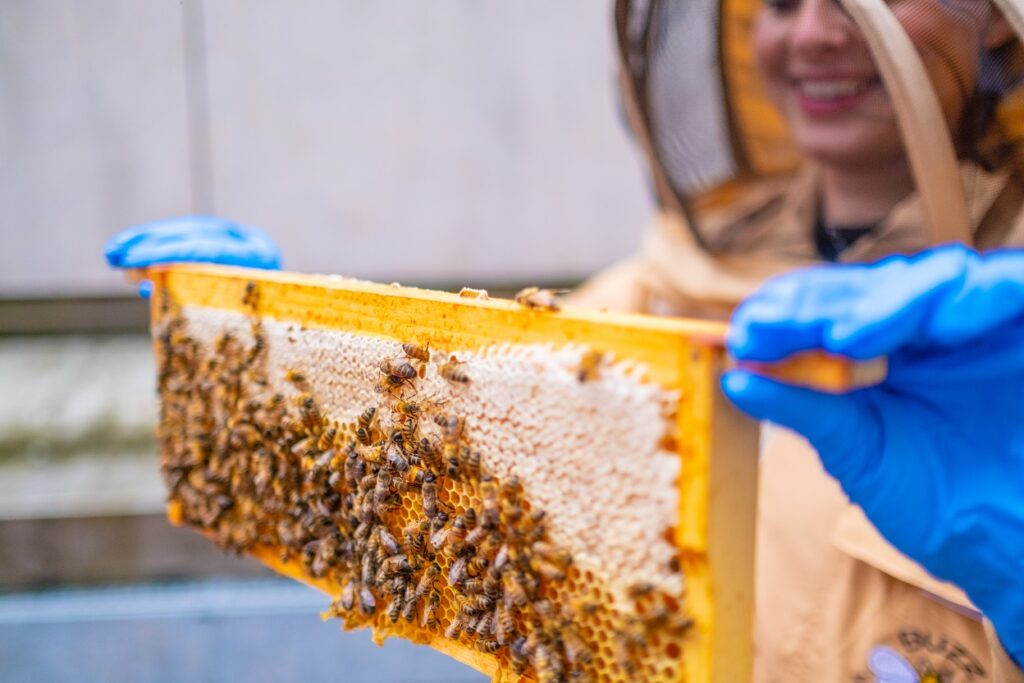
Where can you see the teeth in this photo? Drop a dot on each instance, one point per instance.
(831, 90)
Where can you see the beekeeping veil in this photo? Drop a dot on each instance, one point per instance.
(693, 96)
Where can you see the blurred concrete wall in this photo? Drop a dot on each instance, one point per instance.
(451, 141)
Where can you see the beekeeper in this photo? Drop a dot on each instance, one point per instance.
(836, 131)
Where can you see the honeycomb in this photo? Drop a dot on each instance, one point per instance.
(513, 504)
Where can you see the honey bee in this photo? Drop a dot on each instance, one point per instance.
(258, 347)
(492, 543)
(429, 619)
(505, 624)
(310, 414)
(502, 557)
(396, 564)
(382, 486)
(487, 645)
(327, 439)
(457, 571)
(375, 453)
(519, 653)
(416, 352)
(251, 296)
(408, 428)
(429, 454)
(347, 599)
(455, 628)
(451, 371)
(548, 570)
(661, 618)
(397, 460)
(478, 534)
(396, 374)
(409, 603)
(367, 483)
(481, 624)
(639, 591)
(477, 565)
(590, 364)
(470, 293)
(368, 571)
(452, 469)
(364, 426)
(367, 603)
(539, 299)
(415, 537)
(469, 462)
(489, 493)
(492, 584)
(427, 579)
(429, 493)
(452, 538)
(515, 593)
(416, 476)
(387, 541)
(547, 666)
(438, 522)
(451, 427)
(408, 409)
(295, 377)
(394, 609)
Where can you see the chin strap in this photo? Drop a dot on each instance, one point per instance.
(921, 121)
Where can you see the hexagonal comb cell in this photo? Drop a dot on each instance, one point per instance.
(512, 502)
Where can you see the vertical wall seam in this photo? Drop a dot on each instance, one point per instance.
(197, 107)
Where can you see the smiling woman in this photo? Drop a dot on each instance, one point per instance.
(818, 70)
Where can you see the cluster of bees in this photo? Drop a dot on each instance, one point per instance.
(370, 506)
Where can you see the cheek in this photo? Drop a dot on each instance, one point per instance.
(769, 43)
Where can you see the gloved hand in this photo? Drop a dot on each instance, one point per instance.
(935, 454)
(192, 239)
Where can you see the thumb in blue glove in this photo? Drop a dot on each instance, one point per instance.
(196, 239)
(935, 454)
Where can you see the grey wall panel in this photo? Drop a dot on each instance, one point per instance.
(444, 141)
(92, 135)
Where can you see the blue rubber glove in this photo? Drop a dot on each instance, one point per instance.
(194, 239)
(935, 454)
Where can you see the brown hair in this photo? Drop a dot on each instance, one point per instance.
(983, 136)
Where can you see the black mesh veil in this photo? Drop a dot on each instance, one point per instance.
(697, 105)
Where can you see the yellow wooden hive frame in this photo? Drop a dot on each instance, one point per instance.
(717, 447)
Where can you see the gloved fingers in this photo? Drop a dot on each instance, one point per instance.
(166, 228)
(192, 238)
(857, 311)
(198, 249)
(842, 428)
(990, 296)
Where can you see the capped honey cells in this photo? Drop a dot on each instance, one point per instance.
(516, 500)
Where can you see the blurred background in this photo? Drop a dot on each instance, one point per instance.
(444, 144)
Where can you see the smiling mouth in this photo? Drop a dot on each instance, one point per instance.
(833, 89)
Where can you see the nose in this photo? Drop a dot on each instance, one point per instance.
(821, 26)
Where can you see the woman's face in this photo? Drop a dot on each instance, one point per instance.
(818, 70)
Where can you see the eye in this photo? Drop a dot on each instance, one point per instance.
(782, 6)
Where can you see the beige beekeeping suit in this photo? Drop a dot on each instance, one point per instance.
(836, 603)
